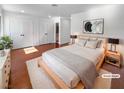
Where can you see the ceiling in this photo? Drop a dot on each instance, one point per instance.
(43, 10)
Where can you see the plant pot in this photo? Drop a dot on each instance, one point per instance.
(2, 53)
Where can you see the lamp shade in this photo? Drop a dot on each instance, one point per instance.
(73, 36)
(113, 41)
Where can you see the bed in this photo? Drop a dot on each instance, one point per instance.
(83, 60)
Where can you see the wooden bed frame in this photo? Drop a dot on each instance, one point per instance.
(58, 81)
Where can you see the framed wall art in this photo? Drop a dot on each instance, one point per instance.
(95, 26)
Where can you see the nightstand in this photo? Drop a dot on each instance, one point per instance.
(113, 58)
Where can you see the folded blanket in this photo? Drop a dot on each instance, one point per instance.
(83, 67)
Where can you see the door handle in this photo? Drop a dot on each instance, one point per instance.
(45, 33)
(22, 35)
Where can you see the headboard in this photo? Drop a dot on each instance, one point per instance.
(92, 36)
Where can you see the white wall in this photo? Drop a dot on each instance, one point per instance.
(56, 20)
(64, 30)
(1, 22)
(113, 22)
(51, 31)
(36, 26)
(64, 27)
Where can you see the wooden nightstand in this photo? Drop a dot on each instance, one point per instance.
(113, 58)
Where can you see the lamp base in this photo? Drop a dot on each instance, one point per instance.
(113, 48)
(113, 51)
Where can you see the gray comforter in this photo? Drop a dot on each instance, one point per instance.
(84, 68)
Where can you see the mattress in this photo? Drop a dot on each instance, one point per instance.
(70, 78)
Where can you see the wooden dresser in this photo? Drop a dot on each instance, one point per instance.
(5, 65)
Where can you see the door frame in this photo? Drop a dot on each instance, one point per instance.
(55, 32)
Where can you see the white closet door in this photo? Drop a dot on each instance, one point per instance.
(27, 33)
(15, 30)
(43, 33)
(21, 32)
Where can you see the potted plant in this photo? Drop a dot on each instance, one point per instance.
(2, 53)
(7, 42)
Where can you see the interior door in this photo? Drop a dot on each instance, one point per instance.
(43, 33)
(27, 33)
(21, 32)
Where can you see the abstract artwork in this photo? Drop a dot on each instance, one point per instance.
(94, 26)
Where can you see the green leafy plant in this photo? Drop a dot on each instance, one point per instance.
(1, 46)
(7, 42)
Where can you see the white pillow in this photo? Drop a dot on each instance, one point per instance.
(81, 42)
(101, 43)
(91, 44)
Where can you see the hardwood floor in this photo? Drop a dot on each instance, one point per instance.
(19, 78)
(116, 83)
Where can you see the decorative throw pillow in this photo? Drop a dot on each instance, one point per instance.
(99, 43)
(91, 44)
(81, 42)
